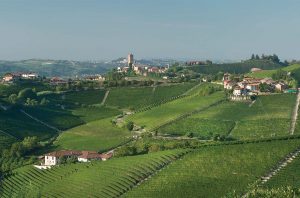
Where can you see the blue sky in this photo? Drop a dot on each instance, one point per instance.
(196, 29)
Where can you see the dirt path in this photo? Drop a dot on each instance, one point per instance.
(274, 171)
(105, 97)
(37, 120)
(295, 115)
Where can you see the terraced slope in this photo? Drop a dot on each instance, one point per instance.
(98, 135)
(269, 116)
(288, 176)
(18, 125)
(169, 111)
(215, 171)
(136, 98)
(111, 178)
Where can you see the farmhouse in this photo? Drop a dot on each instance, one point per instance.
(254, 69)
(57, 81)
(52, 159)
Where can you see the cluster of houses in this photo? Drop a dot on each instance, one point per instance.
(250, 86)
(15, 76)
(144, 70)
(52, 159)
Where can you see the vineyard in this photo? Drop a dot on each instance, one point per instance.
(288, 176)
(215, 171)
(136, 98)
(96, 135)
(267, 117)
(169, 111)
(97, 179)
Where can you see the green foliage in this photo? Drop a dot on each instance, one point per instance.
(202, 128)
(167, 112)
(96, 179)
(136, 98)
(130, 125)
(96, 135)
(26, 93)
(288, 176)
(243, 67)
(215, 171)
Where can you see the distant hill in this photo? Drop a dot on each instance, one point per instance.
(62, 68)
(241, 67)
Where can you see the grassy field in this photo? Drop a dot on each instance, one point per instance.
(171, 110)
(96, 135)
(288, 176)
(138, 97)
(215, 171)
(97, 179)
(269, 116)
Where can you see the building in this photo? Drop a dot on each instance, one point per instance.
(52, 159)
(254, 69)
(57, 81)
(281, 86)
(130, 60)
(253, 86)
(11, 77)
(30, 75)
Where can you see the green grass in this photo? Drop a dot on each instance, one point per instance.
(215, 171)
(171, 110)
(288, 176)
(97, 179)
(97, 135)
(138, 97)
(202, 128)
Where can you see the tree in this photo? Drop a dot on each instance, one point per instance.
(257, 57)
(44, 102)
(130, 125)
(252, 57)
(13, 98)
(27, 93)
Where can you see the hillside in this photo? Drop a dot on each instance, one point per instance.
(238, 68)
(62, 68)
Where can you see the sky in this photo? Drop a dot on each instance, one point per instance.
(179, 29)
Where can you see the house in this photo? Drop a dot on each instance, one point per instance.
(228, 84)
(268, 81)
(253, 86)
(281, 86)
(29, 75)
(96, 77)
(226, 77)
(237, 91)
(254, 69)
(86, 156)
(52, 159)
(11, 77)
(57, 81)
